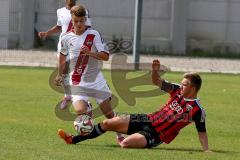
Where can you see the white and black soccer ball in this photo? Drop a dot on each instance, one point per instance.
(83, 124)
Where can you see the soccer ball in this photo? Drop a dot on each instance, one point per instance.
(83, 124)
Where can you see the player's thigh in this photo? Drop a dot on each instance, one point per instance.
(103, 98)
(118, 124)
(103, 95)
(80, 103)
(135, 140)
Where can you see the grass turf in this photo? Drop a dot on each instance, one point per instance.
(28, 122)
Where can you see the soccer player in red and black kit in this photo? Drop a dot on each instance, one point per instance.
(150, 130)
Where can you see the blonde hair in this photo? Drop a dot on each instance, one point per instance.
(78, 11)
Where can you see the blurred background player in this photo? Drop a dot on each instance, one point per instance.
(64, 24)
(86, 48)
(150, 130)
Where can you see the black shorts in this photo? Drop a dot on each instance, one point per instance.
(139, 123)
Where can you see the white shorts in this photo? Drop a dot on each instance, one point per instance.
(99, 93)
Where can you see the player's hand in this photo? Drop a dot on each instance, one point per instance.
(58, 80)
(85, 50)
(43, 35)
(155, 65)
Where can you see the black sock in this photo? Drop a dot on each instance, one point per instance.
(97, 131)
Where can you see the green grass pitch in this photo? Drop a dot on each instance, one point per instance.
(28, 124)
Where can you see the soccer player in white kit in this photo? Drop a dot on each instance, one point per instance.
(64, 24)
(86, 48)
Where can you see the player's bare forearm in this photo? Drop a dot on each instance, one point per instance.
(104, 56)
(203, 138)
(61, 64)
(51, 31)
(55, 29)
(99, 55)
(156, 79)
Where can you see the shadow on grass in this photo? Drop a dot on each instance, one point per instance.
(190, 150)
(193, 150)
(99, 146)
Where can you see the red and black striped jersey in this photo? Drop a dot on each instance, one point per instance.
(176, 114)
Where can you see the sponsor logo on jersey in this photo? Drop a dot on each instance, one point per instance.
(176, 107)
(89, 42)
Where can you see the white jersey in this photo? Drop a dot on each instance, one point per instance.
(89, 68)
(64, 20)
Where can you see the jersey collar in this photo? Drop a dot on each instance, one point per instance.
(187, 99)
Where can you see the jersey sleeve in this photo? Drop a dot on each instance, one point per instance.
(59, 23)
(63, 48)
(199, 120)
(100, 44)
(169, 87)
(87, 13)
(89, 21)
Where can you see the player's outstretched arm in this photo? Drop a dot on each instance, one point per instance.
(53, 30)
(156, 79)
(203, 138)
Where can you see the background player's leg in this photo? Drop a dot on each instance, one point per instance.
(135, 140)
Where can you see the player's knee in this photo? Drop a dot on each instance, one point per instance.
(124, 144)
(108, 125)
(80, 107)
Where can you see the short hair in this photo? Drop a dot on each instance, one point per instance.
(195, 79)
(78, 11)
